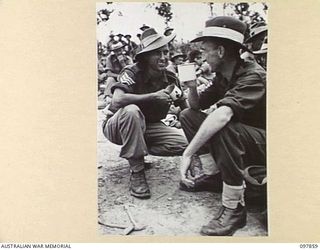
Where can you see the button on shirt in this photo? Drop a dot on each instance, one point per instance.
(245, 94)
(136, 81)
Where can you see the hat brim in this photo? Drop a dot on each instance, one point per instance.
(113, 49)
(166, 31)
(260, 52)
(162, 41)
(202, 38)
(178, 55)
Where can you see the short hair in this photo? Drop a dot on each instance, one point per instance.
(193, 54)
(232, 48)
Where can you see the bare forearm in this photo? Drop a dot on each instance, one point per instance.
(124, 99)
(211, 125)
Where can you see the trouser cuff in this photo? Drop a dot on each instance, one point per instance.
(136, 165)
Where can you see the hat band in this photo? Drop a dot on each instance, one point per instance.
(149, 39)
(224, 33)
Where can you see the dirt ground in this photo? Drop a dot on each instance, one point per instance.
(170, 211)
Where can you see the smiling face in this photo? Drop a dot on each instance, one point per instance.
(178, 60)
(157, 60)
(198, 60)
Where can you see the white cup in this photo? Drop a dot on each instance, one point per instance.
(187, 72)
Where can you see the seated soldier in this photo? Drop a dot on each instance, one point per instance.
(131, 47)
(176, 59)
(115, 62)
(261, 54)
(233, 133)
(258, 34)
(141, 99)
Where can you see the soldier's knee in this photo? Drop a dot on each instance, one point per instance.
(132, 110)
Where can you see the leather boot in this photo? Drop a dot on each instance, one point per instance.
(139, 186)
(226, 222)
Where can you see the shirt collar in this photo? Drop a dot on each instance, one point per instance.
(239, 69)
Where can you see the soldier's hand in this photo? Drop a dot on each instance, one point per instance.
(184, 168)
(163, 95)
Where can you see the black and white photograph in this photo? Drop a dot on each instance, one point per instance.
(181, 119)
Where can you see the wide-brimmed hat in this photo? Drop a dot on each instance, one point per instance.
(128, 35)
(225, 27)
(177, 54)
(256, 29)
(151, 40)
(167, 30)
(116, 46)
(144, 27)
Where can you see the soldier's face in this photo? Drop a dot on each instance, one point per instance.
(118, 52)
(210, 52)
(198, 60)
(158, 59)
(178, 60)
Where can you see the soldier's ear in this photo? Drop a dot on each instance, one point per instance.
(221, 51)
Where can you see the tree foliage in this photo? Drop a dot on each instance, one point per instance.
(243, 12)
(103, 15)
(164, 10)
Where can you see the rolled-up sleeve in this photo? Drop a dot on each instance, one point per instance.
(246, 94)
(126, 81)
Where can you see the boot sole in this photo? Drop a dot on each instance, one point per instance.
(243, 224)
(140, 196)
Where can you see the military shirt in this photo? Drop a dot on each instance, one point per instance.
(134, 80)
(245, 94)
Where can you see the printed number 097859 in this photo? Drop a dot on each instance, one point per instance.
(308, 245)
